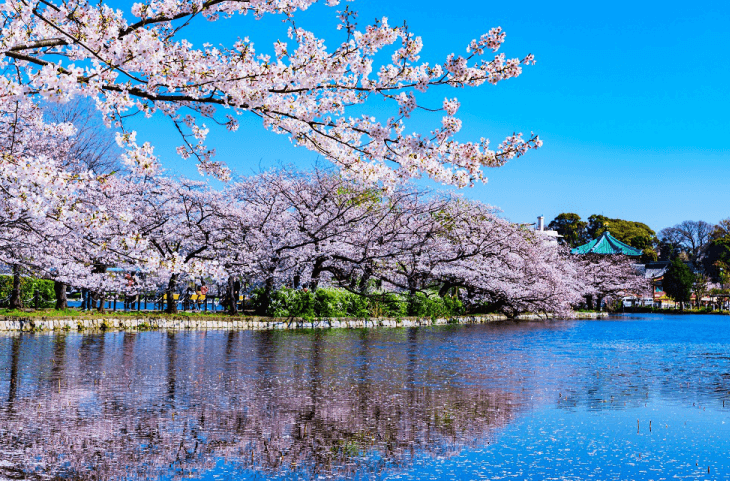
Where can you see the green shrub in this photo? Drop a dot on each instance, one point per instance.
(284, 302)
(28, 286)
(420, 305)
(258, 301)
(454, 305)
(333, 302)
(358, 306)
(388, 304)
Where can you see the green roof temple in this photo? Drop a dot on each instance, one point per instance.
(606, 244)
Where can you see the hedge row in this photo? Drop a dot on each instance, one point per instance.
(28, 287)
(329, 302)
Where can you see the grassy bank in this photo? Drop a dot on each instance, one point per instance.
(79, 314)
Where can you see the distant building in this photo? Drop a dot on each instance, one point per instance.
(549, 235)
(654, 272)
(606, 244)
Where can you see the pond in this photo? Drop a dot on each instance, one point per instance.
(633, 397)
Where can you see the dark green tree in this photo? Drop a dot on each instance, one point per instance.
(571, 227)
(649, 255)
(668, 251)
(716, 254)
(635, 234)
(678, 282)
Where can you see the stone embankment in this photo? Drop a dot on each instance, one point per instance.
(250, 323)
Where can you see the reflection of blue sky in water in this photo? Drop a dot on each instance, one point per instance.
(577, 444)
(556, 399)
(610, 376)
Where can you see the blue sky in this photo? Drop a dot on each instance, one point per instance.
(631, 99)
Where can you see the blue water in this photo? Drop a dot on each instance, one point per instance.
(639, 397)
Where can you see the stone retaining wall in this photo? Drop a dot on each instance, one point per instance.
(249, 323)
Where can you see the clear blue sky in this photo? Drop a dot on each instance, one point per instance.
(631, 99)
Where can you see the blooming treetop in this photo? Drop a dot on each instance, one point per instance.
(140, 61)
(610, 277)
(285, 228)
(55, 217)
(312, 229)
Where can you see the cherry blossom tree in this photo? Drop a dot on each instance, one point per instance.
(501, 266)
(141, 61)
(309, 229)
(173, 230)
(54, 212)
(33, 185)
(608, 277)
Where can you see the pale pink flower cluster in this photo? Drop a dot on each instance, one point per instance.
(451, 106)
(301, 89)
(491, 40)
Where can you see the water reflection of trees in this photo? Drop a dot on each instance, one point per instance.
(125, 405)
(157, 403)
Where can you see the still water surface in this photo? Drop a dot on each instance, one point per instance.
(640, 397)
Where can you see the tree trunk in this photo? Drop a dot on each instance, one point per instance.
(412, 286)
(84, 299)
(365, 279)
(15, 301)
(444, 290)
(101, 298)
(61, 300)
(589, 302)
(170, 292)
(98, 269)
(314, 279)
(232, 294)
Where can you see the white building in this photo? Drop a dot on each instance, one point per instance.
(549, 235)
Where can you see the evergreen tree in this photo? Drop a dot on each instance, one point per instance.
(571, 227)
(635, 234)
(678, 282)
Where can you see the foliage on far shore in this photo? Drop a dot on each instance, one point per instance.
(28, 288)
(330, 302)
(287, 303)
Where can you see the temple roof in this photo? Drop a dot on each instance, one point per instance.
(606, 244)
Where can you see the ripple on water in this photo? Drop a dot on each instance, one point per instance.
(633, 398)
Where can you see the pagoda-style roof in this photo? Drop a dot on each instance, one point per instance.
(606, 244)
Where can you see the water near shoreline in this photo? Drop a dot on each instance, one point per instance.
(642, 397)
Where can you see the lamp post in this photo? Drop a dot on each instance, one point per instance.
(722, 285)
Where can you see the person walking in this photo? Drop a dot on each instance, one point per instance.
(187, 297)
(198, 295)
(203, 295)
